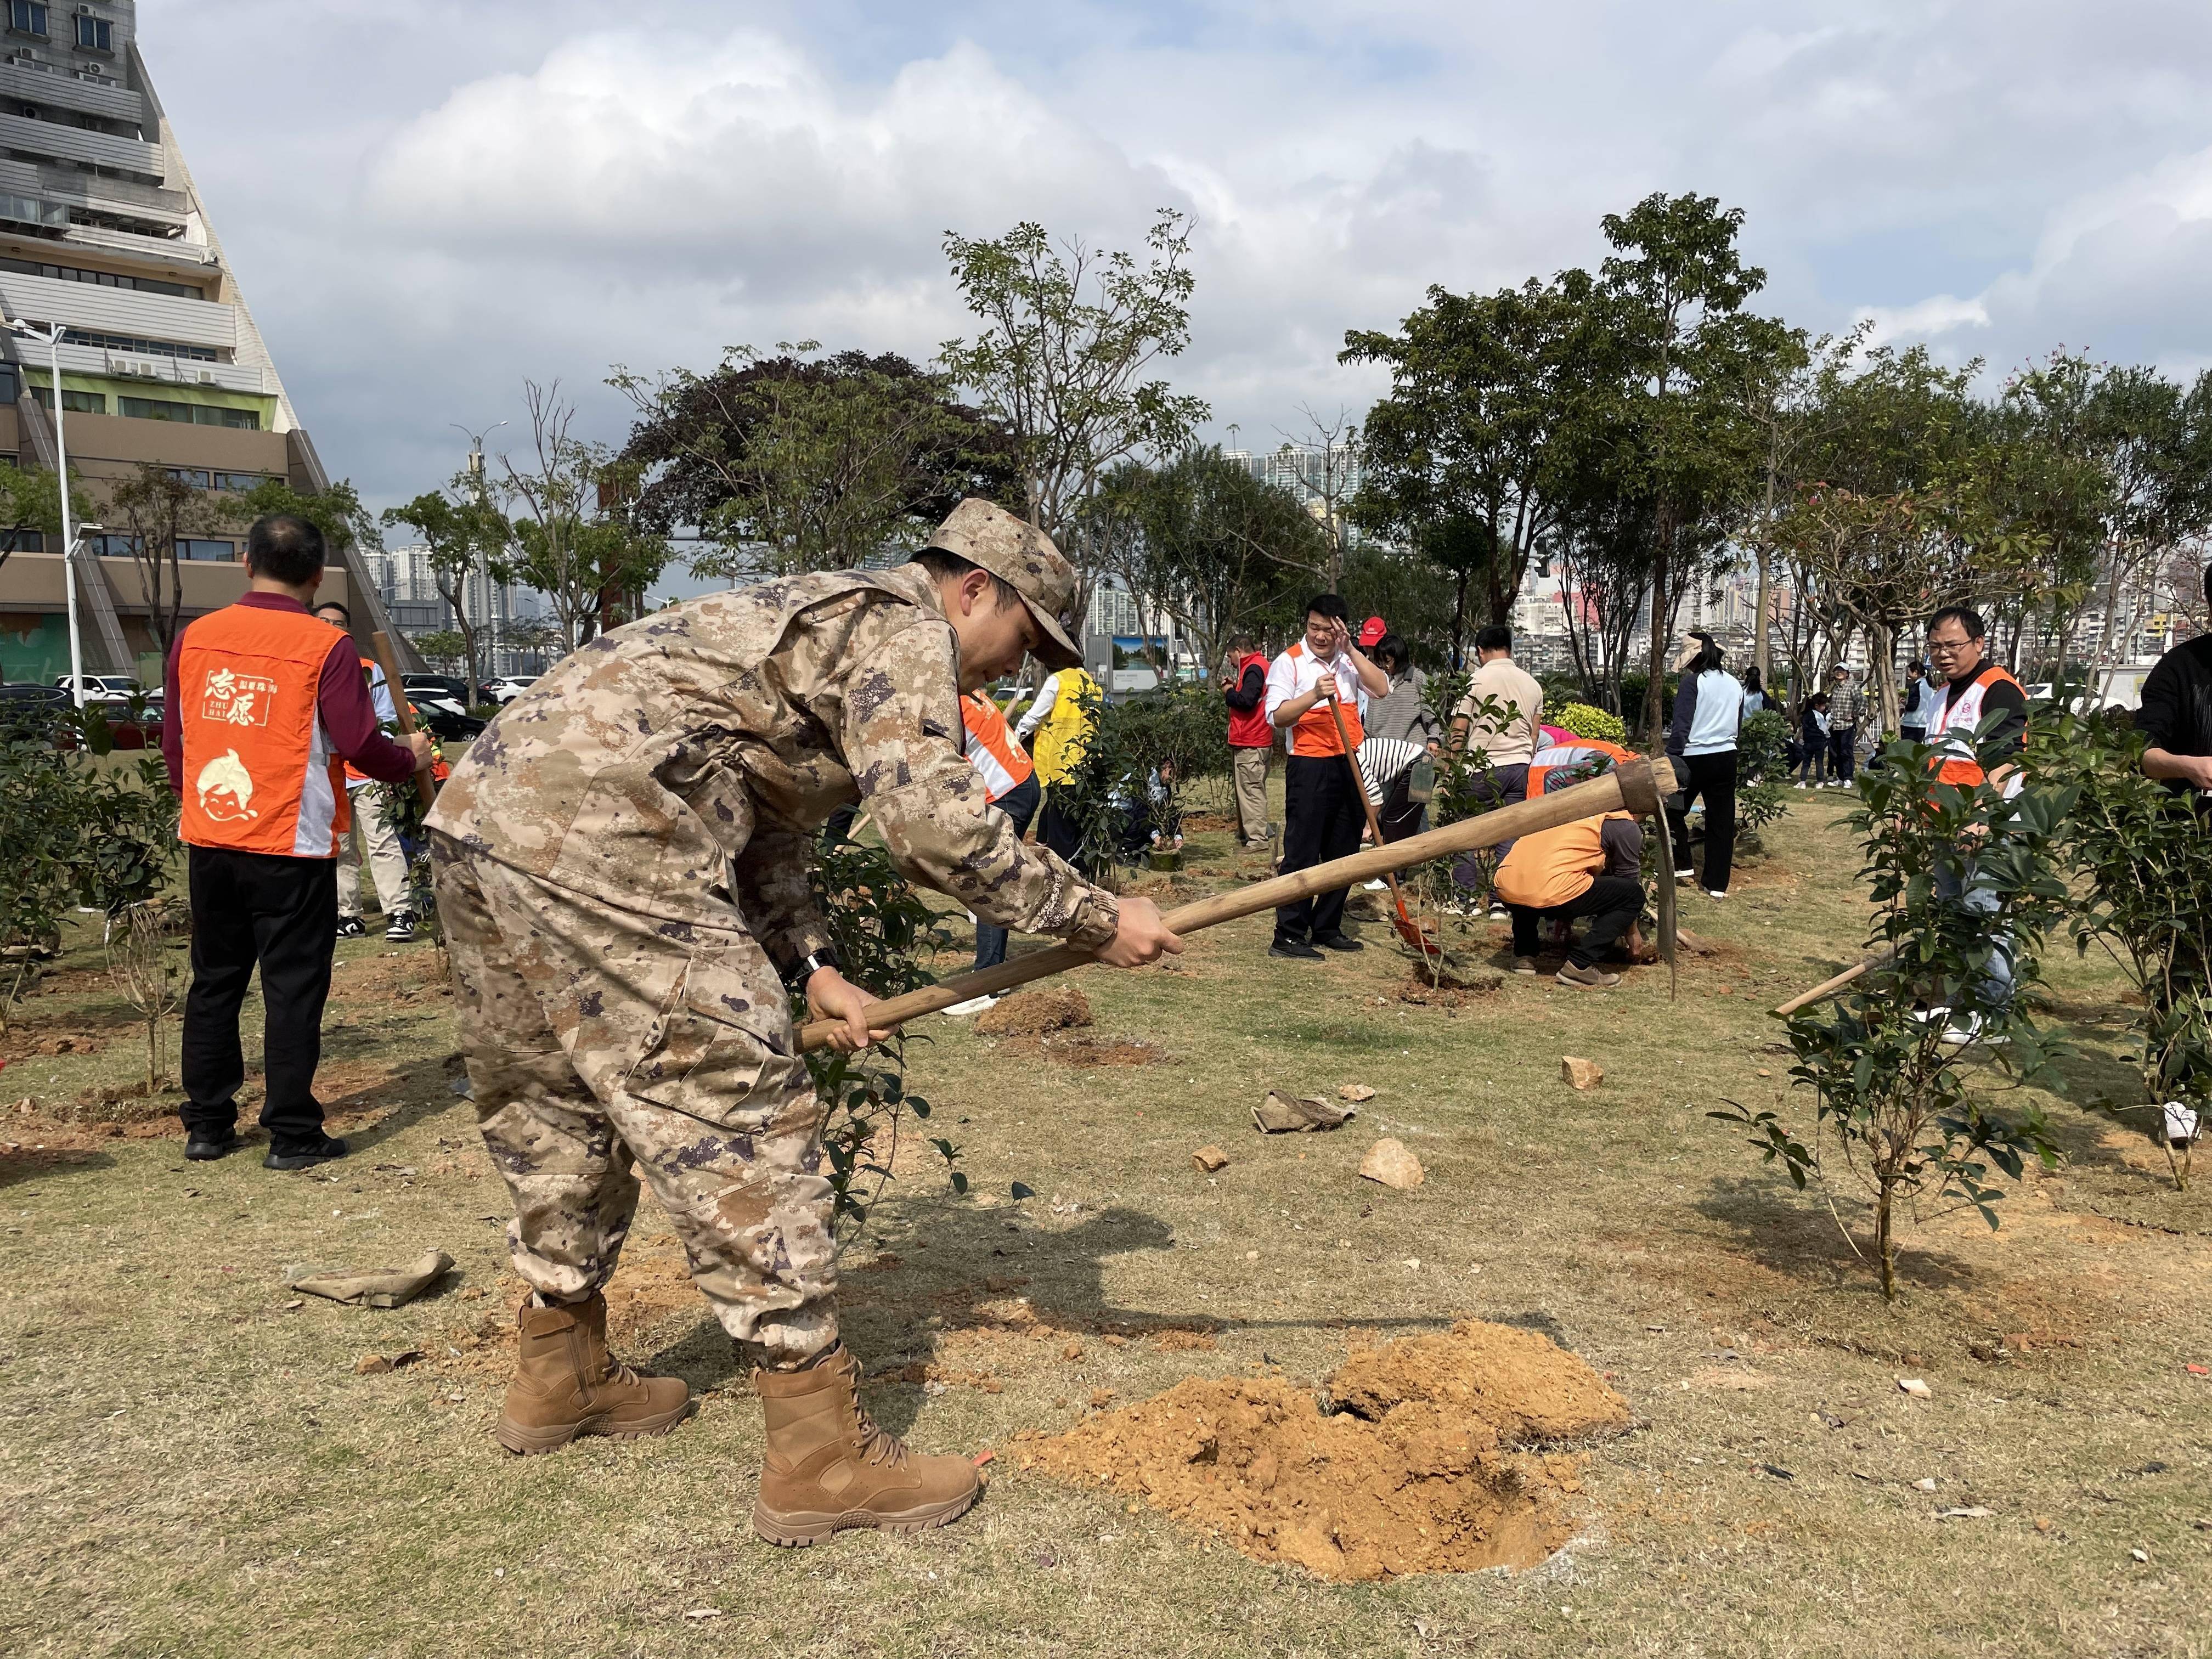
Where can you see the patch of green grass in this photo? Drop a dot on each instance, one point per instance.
(191, 1467)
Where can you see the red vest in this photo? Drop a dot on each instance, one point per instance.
(1249, 729)
(258, 773)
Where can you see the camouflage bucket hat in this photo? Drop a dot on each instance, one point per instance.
(989, 537)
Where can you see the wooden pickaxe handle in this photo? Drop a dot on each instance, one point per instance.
(1628, 784)
(1828, 988)
(388, 660)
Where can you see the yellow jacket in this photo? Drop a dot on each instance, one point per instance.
(1059, 741)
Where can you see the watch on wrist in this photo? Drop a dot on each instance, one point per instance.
(811, 963)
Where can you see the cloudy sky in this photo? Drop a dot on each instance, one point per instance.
(428, 201)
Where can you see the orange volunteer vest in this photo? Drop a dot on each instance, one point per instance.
(1315, 732)
(1554, 866)
(258, 773)
(990, 747)
(1575, 762)
(1952, 733)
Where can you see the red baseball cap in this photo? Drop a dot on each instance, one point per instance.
(1371, 630)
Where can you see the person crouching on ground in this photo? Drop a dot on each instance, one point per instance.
(1591, 867)
(621, 872)
(266, 705)
(1324, 815)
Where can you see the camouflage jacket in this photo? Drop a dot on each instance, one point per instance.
(683, 761)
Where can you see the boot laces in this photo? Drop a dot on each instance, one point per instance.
(877, 1445)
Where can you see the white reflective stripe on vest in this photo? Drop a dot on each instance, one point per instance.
(1952, 733)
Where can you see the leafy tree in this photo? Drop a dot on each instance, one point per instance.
(465, 536)
(1682, 353)
(1069, 333)
(1199, 539)
(1463, 460)
(820, 461)
(338, 511)
(2142, 867)
(31, 502)
(574, 540)
(444, 648)
(155, 509)
(1897, 1110)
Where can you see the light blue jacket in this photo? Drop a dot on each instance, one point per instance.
(1707, 714)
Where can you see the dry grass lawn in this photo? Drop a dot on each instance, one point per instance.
(191, 1465)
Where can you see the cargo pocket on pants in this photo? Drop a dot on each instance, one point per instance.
(719, 1054)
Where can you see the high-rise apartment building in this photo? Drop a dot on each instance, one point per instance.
(102, 232)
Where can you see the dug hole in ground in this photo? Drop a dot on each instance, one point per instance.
(1443, 1453)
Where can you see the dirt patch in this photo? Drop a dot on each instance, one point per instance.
(1415, 989)
(1031, 1013)
(1432, 1462)
(1085, 1049)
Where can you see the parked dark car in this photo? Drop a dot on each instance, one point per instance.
(32, 711)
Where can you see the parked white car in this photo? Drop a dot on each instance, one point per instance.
(104, 688)
(506, 687)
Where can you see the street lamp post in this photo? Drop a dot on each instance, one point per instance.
(51, 337)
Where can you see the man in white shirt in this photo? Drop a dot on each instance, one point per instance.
(374, 838)
(1320, 679)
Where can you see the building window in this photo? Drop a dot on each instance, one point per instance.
(22, 541)
(241, 482)
(210, 552)
(101, 278)
(93, 33)
(158, 409)
(29, 210)
(28, 17)
(93, 337)
(112, 547)
(73, 403)
(198, 476)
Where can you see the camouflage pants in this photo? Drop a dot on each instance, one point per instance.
(602, 1044)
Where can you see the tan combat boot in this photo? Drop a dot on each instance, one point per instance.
(828, 1467)
(566, 1384)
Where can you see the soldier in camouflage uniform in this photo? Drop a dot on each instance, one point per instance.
(620, 870)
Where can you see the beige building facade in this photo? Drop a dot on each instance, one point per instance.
(103, 234)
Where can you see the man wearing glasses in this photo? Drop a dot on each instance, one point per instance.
(1973, 690)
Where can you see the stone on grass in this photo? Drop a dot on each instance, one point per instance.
(1210, 1158)
(1581, 1073)
(1280, 1114)
(1357, 1093)
(1388, 1162)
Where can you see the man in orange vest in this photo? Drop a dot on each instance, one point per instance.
(1320, 678)
(1974, 689)
(1251, 741)
(267, 704)
(1010, 785)
(375, 840)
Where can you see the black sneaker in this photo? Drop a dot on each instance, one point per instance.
(1338, 942)
(205, 1145)
(351, 927)
(1296, 948)
(402, 930)
(305, 1156)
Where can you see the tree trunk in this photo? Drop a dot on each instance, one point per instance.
(1885, 1240)
(1459, 621)
(1882, 652)
(1662, 618)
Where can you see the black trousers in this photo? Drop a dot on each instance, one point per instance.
(1322, 820)
(1019, 804)
(1612, 904)
(281, 912)
(1057, 830)
(1400, 813)
(1843, 751)
(1712, 776)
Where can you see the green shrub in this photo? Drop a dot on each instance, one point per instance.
(1586, 721)
(1762, 777)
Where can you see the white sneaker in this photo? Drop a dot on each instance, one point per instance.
(1377, 885)
(1715, 893)
(2180, 1123)
(973, 1005)
(1960, 1032)
(1685, 878)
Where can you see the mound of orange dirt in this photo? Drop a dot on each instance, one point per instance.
(1436, 1460)
(1032, 1013)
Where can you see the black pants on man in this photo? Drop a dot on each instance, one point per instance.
(283, 913)
(1612, 904)
(1843, 751)
(1019, 804)
(1323, 817)
(1712, 776)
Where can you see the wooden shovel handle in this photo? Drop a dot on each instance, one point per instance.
(388, 660)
